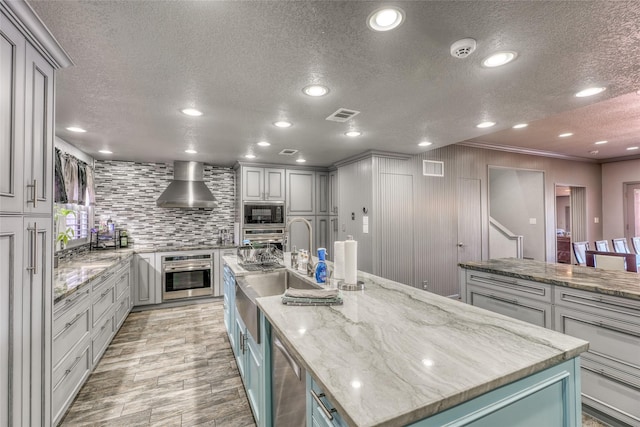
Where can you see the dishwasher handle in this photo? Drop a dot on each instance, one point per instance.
(294, 365)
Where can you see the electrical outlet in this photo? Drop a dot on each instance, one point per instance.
(596, 220)
(533, 221)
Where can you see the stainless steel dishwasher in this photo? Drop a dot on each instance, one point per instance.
(289, 387)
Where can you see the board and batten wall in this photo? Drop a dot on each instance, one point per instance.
(413, 222)
(127, 193)
(614, 175)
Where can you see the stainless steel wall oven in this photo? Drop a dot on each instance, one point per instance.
(185, 276)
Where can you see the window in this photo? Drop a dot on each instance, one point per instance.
(78, 220)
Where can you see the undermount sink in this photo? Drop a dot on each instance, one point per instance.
(248, 288)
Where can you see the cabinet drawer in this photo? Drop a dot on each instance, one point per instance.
(525, 309)
(122, 283)
(122, 309)
(69, 377)
(74, 300)
(101, 338)
(102, 303)
(70, 329)
(611, 392)
(510, 285)
(623, 309)
(318, 415)
(611, 342)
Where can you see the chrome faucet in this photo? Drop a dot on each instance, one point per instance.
(310, 265)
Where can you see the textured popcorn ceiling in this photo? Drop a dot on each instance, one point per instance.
(244, 64)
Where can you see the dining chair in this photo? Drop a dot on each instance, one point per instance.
(602, 246)
(579, 250)
(635, 242)
(609, 262)
(620, 245)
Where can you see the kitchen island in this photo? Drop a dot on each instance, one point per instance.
(393, 355)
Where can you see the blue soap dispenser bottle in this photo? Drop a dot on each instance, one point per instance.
(321, 267)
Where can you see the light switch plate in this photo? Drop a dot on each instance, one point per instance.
(596, 220)
(533, 221)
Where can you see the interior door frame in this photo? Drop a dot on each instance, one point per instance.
(555, 220)
(625, 207)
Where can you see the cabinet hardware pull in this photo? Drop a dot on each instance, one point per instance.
(75, 319)
(605, 326)
(35, 192)
(327, 412)
(68, 371)
(242, 342)
(613, 377)
(75, 298)
(105, 293)
(34, 249)
(510, 301)
(105, 325)
(493, 280)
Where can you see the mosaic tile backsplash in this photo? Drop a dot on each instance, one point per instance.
(127, 192)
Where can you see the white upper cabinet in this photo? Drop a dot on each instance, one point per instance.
(300, 192)
(333, 192)
(12, 61)
(26, 125)
(260, 184)
(322, 193)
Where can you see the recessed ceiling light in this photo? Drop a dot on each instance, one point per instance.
(590, 91)
(316, 90)
(356, 384)
(385, 19)
(520, 126)
(600, 142)
(300, 160)
(424, 144)
(190, 151)
(564, 135)
(499, 58)
(485, 125)
(263, 144)
(76, 129)
(282, 124)
(106, 152)
(249, 156)
(353, 133)
(632, 148)
(191, 112)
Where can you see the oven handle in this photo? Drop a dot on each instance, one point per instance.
(170, 269)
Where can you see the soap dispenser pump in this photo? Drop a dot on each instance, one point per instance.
(321, 266)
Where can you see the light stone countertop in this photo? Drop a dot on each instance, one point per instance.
(72, 275)
(609, 282)
(393, 354)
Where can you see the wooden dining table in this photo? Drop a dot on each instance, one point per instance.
(631, 260)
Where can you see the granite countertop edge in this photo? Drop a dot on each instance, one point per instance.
(72, 276)
(610, 282)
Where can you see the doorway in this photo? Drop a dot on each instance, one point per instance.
(631, 209)
(571, 220)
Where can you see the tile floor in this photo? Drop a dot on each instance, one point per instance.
(166, 367)
(170, 367)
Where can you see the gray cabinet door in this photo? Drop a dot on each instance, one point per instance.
(38, 133)
(333, 192)
(332, 236)
(300, 193)
(252, 183)
(145, 283)
(274, 184)
(11, 268)
(12, 52)
(322, 193)
(37, 317)
(321, 233)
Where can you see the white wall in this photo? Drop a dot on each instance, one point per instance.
(613, 177)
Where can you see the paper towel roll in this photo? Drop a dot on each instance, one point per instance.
(350, 262)
(338, 264)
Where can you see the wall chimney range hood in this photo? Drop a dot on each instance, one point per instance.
(187, 190)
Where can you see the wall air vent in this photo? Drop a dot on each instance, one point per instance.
(288, 152)
(432, 168)
(342, 115)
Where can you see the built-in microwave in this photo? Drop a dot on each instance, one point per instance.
(264, 214)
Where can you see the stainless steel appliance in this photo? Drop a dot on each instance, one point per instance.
(271, 235)
(185, 276)
(264, 214)
(288, 384)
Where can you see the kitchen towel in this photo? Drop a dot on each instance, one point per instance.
(338, 264)
(312, 297)
(351, 262)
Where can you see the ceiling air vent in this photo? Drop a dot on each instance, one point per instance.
(288, 152)
(432, 168)
(342, 115)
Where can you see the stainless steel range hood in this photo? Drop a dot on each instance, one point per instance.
(187, 190)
